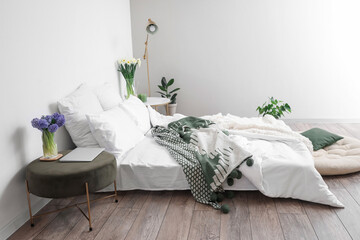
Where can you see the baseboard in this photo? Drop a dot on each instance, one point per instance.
(19, 220)
(321, 120)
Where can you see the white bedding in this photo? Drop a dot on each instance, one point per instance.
(283, 162)
(284, 166)
(149, 166)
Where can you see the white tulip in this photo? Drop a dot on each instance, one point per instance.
(129, 61)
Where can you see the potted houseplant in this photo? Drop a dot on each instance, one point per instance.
(274, 107)
(127, 67)
(166, 93)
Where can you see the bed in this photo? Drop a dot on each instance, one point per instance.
(283, 165)
(149, 166)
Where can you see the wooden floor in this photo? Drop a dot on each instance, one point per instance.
(175, 215)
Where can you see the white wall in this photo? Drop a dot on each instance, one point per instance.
(47, 48)
(229, 56)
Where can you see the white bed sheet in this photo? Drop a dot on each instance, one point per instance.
(149, 166)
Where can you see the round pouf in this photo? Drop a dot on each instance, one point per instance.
(67, 179)
(342, 157)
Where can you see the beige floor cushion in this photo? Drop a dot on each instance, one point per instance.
(342, 157)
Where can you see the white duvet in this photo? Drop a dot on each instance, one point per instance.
(283, 162)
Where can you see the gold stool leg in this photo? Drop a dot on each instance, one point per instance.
(88, 204)
(29, 203)
(116, 199)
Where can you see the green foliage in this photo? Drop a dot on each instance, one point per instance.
(165, 92)
(127, 70)
(274, 107)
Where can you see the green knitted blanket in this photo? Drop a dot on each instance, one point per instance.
(207, 155)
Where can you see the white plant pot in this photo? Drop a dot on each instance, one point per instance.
(172, 109)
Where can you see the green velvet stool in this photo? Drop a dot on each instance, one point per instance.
(68, 179)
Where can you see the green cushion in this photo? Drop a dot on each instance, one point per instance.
(66, 179)
(321, 138)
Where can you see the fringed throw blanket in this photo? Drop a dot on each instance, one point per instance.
(207, 155)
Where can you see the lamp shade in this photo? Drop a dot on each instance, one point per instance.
(151, 28)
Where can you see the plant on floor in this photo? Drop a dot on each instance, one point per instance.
(164, 87)
(48, 125)
(274, 107)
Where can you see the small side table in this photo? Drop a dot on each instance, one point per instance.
(158, 101)
(67, 179)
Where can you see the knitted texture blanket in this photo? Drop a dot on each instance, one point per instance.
(206, 154)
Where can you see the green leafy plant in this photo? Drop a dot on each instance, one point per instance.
(164, 87)
(274, 107)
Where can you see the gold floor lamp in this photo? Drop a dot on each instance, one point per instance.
(151, 28)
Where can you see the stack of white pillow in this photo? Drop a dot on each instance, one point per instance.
(97, 116)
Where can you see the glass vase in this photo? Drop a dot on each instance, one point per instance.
(49, 145)
(130, 87)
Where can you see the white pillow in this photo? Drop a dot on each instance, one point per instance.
(108, 96)
(74, 107)
(114, 131)
(138, 112)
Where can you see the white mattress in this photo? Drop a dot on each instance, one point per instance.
(149, 166)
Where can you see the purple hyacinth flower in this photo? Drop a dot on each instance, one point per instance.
(53, 127)
(60, 121)
(43, 123)
(35, 123)
(48, 118)
(56, 116)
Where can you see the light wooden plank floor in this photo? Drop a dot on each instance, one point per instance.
(175, 214)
